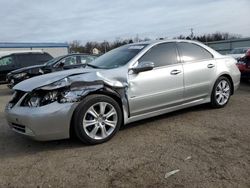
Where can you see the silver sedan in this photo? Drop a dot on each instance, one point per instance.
(127, 84)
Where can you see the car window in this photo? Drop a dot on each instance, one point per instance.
(26, 59)
(42, 58)
(117, 57)
(161, 54)
(69, 61)
(86, 59)
(6, 61)
(193, 52)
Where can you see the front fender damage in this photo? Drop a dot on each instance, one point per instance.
(81, 86)
(117, 89)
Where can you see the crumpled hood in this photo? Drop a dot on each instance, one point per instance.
(39, 81)
(26, 69)
(110, 77)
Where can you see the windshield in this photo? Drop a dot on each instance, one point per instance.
(52, 61)
(117, 57)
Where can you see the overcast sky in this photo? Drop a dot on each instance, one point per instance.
(99, 20)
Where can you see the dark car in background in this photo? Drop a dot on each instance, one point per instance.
(10, 61)
(65, 62)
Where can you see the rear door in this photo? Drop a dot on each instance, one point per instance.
(159, 88)
(199, 70)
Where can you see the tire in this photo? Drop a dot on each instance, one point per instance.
(97, 119)
(221, 93)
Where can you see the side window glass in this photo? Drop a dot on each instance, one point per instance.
(42, 58)
(69, 61)
(86, 59)
(27, 59)
(6, 61)
(193, 52)
(161, 54)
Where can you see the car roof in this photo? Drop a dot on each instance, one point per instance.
(7, 53)
(155, 42)
(166, 40)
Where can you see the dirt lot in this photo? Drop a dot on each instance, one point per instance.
(211, 148)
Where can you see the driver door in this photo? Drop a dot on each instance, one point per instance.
(159, 88)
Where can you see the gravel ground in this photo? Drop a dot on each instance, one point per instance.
(210, 147)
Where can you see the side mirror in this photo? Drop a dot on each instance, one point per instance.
(143, 66)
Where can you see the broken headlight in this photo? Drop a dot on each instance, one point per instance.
(43, 98)
(59, 91)
(40, 98)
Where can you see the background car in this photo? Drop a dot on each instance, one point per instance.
(244, 66)
(244, 69)
(13, 60)
(65, 62)
(127, 84)
(238, 53)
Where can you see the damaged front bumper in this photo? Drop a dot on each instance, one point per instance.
(45, 112)
(50, 122)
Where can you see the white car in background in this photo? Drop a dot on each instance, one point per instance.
(238, 53)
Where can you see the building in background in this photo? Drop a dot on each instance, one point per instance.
(54, 49)
(226, 46)
(95, 51)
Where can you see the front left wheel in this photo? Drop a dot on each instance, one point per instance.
(97, 119)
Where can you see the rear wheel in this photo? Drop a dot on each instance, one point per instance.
(97, 119)
(221, 92)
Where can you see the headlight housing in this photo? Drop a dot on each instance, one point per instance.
(40, 98)
(20, 75)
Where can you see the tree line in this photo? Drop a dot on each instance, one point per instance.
(105, 46)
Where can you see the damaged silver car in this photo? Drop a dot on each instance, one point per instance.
(130, 83)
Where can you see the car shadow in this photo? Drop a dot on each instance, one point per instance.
(20, 146)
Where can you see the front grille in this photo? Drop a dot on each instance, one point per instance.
(19, 128)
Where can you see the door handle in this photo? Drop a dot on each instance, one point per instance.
(210, 65)
(175, 72)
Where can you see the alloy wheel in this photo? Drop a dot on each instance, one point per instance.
(100, 120)
(222, 92)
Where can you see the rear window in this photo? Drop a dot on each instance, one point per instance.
(193, 52)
